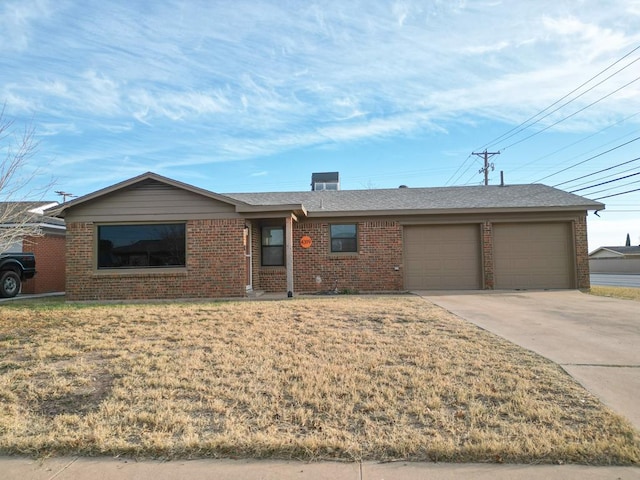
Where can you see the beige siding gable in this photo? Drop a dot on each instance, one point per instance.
(151, 201)
(604, 253)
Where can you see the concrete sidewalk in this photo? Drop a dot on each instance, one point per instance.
(74, 468)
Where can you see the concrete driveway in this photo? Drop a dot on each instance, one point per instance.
(595, 339)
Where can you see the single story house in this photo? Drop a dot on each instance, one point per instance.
(625, 260)
(48, 244)
(151, 237)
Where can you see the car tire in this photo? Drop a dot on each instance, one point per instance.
(9, 284)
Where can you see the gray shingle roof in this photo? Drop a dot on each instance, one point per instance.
(438, 198)
(623, 250)
(11, 212)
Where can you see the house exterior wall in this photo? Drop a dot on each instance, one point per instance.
(50, 263)
(216, 256)
(486, 238)
(581, 249)
(615, 265)
(151, 200)
(215, 266)
(374, 267)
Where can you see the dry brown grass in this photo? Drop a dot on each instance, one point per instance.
(317, 378)
(626, 293)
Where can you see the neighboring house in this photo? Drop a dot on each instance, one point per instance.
(152, 237)
(48, 247)
(615, 260)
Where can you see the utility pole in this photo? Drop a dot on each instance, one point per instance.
(486, 155)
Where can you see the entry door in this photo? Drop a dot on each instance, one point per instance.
(247, 257)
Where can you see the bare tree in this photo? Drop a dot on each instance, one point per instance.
(17, 194)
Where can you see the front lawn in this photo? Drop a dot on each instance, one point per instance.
(626, 293)
(345, 377)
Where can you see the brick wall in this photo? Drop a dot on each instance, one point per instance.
(487, 255)
(582, 253)
(373, 268)
(215, 267)
(50, 264)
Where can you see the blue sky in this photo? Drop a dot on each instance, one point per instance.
(240, 96)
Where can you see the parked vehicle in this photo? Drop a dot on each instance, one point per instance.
(15, 268)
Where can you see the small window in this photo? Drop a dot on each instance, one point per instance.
(344, 238)
(272, 246)
(142, 246)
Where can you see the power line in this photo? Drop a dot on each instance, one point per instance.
(576, 142)
(568, 102)
(572, 115)
(588, 159)
(456, 172)
(605, 183)
(599, 171)
(605, 177)
(617, 186)
(617, 194)
(501, 137)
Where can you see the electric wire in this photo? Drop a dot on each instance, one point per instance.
(588, 159)
(571, 115)
(599, 171)
(565, 104)
(618, 194)
(605, 183)
(456, 172)
(501, 137)
(583, 139)
(613, 188)
(604, 178)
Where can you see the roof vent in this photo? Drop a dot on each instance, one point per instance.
(403, 186)
(325, 181)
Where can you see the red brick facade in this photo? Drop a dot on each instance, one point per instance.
(215, 267)
(50, 263)
(486, 238)
(216, 262)
(582, 253)
(375, 267)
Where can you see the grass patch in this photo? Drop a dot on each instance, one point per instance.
(373, 378)
(626, 293)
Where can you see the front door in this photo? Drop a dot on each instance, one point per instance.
(247, 257)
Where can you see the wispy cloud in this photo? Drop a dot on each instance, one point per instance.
(174, 83)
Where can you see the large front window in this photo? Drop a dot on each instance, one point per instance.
(141, 246)
(272, 246)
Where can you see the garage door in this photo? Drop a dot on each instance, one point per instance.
(442, 257)
(533, 255)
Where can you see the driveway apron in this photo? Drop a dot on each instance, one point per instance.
(595, 339)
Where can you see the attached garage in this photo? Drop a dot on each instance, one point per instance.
(442, 257)
(443, 238)
(533, 255)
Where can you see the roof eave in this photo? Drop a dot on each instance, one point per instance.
(444, 211)
(295, 208)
